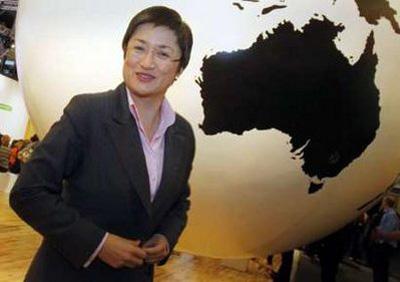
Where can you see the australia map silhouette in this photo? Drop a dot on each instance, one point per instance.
(299, 83)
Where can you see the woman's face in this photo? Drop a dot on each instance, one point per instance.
(152, 60)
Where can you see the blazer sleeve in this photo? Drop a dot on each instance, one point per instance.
(36, 195)
(175, 221)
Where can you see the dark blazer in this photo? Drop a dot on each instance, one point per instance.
(87, 177)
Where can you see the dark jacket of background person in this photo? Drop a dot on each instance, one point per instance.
(331, 250)
(94, 151)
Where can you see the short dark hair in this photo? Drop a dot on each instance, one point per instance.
(163, 16)
(389, 201)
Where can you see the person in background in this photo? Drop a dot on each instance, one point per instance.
(356, 250)
(5, 140)
(391, 236)
(25, 153)
(331, 250)
(382, 248)
(5, 152)
(107, 187)
(15, 161)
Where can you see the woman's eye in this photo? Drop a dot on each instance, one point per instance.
(138, 48)
(163, 55)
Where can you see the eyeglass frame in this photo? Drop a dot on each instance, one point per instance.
(155, 51)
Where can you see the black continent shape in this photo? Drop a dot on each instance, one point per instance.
(373, 10)
(301, 84)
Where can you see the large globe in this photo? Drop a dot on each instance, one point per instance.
(294, 106)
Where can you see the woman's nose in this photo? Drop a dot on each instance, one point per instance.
(147, 60)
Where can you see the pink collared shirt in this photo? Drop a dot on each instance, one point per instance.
(154, 149)
(153, 152)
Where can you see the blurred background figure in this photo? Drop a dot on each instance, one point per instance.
(4, 152)
(13, 155)
(357, 251)
(383, 248)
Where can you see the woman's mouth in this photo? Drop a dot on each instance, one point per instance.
(145, 77)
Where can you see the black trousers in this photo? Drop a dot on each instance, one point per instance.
(329, 260)
(380, 258)
(286, 267)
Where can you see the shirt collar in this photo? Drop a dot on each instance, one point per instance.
(167, 117)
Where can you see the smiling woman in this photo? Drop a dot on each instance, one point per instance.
(92, 232)
(151, 63)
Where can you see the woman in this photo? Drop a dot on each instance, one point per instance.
(108, 186)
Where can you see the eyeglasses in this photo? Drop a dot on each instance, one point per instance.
(139, 50)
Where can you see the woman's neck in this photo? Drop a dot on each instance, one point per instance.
(149, 110)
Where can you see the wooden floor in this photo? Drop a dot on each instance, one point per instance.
(18, 243)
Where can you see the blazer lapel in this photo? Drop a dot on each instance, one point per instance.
(126, 140)
(174, 146)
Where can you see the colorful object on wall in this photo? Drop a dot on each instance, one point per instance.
(5, 107)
